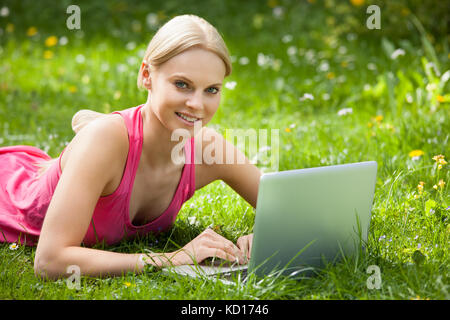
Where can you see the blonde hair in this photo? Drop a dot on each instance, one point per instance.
(180, 34)
(174, 37)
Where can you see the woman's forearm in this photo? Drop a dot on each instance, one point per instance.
(90, 262)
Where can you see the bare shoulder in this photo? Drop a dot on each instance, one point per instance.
(109, 133)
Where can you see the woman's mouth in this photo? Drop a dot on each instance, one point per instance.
(185, 118)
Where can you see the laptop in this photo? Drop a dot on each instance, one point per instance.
(305, 219)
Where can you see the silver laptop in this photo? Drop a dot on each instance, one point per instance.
(305, 219)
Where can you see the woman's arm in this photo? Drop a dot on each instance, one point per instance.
(94, 157)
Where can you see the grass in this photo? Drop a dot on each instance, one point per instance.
(398, 105)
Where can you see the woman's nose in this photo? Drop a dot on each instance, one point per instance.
(195, 100)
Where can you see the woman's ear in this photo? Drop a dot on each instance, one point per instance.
(146, 80)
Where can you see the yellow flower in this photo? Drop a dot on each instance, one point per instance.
(331, 75)
(73, 89)
(442, 161)
(287, 130)
(420, 186)
(48, 54)
(117, 95)
(438, 157)
(357, 3)
(9, 27)
(127, 284)
(416, 153)
(405, 11)
(441, 184)
(51, 41)
(272, 3)
(31, 31)
(440, 98)
(378, 118)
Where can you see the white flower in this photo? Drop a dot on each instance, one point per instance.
(278, 12)
(63, 41)
(80, 58)
(4, 12)
(324, 66)
(243, 61)
(307, 96)
(230, 85)
(262, 60)
(286, 38)
(13, 246)
(396, 53)
(345, 111)
(371, 66)
(152, 20)
(292, 51)
(130, 45)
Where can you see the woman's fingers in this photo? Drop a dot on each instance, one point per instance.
(245, 245)
(217, 241)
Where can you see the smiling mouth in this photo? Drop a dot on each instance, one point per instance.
(187, 118)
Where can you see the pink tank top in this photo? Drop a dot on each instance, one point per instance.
(24, 198)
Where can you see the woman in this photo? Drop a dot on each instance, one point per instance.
(119, 176)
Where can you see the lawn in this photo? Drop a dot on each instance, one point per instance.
(337, 91)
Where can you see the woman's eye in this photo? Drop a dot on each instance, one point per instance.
(213, 88)
(181, 84)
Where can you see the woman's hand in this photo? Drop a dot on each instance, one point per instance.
(206, 245)
(244, 244)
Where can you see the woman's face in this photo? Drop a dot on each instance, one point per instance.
(188, 84)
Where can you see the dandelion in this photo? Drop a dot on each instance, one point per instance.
(9, 28)
(378, 118)
(357, 3)
(48, 54)
(330, 75)
(13, 246)
(51, 41)
(287, 129)
(31, 31)
(127, 284)
(440, 98)
(416, 153)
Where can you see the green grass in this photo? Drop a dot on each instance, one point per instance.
(340, 65)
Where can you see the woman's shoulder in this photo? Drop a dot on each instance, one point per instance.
(107, 130)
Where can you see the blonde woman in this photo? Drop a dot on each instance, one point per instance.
(119, 176)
